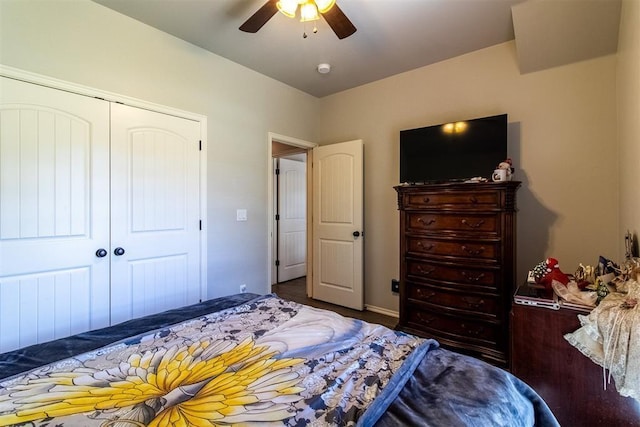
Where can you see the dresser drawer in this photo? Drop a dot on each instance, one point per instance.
(459, 200)
(452, 274)
(482, 306)
(471, 332)
(488, 251)
(452, 222)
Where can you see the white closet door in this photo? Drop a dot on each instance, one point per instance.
(154, 212)
(54, 169)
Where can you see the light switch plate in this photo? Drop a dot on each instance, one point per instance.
(241, 214)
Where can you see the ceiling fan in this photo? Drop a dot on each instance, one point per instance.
(337, 20)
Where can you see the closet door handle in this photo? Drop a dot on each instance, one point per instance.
(118, 251)
(101, 253)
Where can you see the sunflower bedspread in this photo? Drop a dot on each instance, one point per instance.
(266, 360)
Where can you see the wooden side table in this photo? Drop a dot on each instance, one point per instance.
(570, 383)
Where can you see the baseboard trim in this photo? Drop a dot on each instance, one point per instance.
(381, 310)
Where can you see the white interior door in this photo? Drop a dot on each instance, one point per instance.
(155, 212)
(54, 171)
(338, 224)
(292, 225)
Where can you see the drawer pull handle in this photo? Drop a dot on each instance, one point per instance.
(471, 278)
(429, 221)
(425, 295)
(473, 251)
(473, 199)
(426, 200)
(476, 225)
(473, 303)
(474, 332)
(425, 272)
(426, 320)
(427, 247)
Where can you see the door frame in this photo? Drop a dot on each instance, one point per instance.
(51, 82)
(288, 140)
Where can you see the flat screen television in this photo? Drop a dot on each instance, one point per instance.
(455, 151)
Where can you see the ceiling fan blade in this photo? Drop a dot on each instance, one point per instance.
(258, 19)
(339, 23)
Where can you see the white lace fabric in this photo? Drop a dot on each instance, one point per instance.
(610, 336)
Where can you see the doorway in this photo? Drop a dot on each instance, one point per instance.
(280, 146)
(334, 254)
(290, 216)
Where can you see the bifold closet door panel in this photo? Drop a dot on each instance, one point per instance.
(54, 213)
(155, 207)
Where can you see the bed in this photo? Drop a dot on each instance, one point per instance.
(251, 359)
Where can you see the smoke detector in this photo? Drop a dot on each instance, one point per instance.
(324, 68)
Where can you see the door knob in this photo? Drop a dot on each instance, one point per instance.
(356, 233)
(118, 251)
(101, 253)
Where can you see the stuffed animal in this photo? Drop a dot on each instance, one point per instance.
(548, 271)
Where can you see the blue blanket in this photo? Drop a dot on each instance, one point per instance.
(450, 389)
(346, 372)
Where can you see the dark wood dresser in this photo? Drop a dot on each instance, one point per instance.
(457, 265)
(570, 383)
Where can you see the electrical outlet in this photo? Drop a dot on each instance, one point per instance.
(395, 285)
(243, 289)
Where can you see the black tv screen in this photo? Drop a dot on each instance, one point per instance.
(453, 151)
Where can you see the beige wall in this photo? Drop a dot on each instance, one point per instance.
(562, 139)
(628, 79)
(558, 118)
(85, 43)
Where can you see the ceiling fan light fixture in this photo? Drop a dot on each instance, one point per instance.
(309, 11)
(325, 5)
(288, 7)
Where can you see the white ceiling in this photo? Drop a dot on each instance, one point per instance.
(393, 36)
